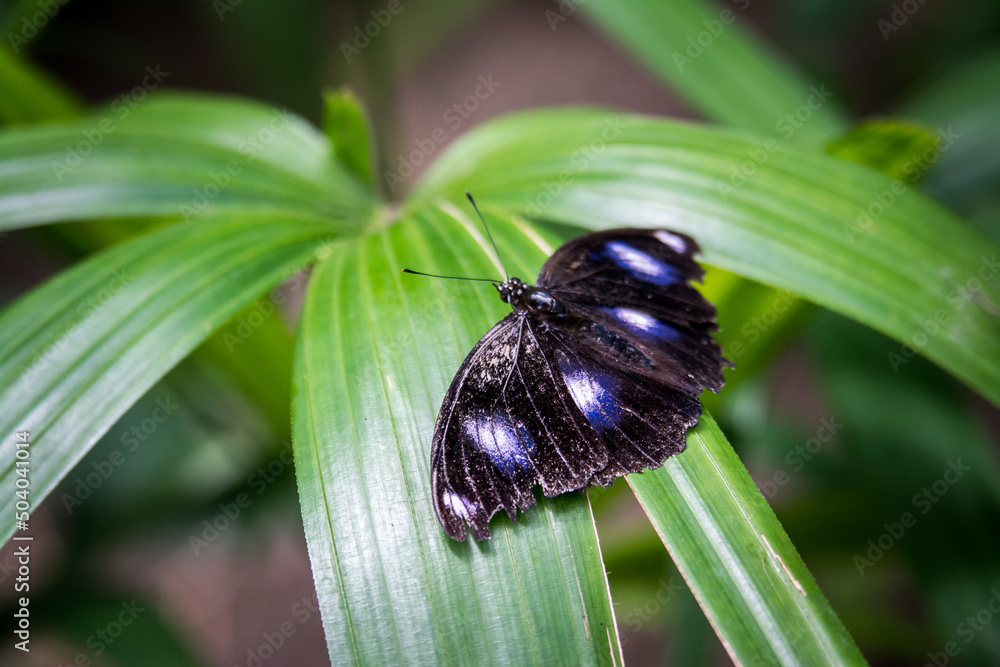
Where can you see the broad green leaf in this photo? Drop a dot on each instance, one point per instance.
(706, 55)
(376, 351)
(164, 468)
(83, 347)
(28, 95)
(839, 234)
(175, 156)
(738, 561)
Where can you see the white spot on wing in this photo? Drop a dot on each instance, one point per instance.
(639, 263)
(637, 318)
(643, 322)
(463, 507)
(675, 242)
(586, 393)
(495, 436)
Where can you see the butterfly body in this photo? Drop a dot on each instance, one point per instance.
(594, 374)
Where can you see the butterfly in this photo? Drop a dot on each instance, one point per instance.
(594, 374)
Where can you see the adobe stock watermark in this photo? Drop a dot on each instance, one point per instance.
(32, 23)
(566, 9)
(223, 7)
(637, 618)
(966, 631)
(913, 169)
(380, 20)
(924, 501)
(103, 637)
(580, 160)
(134, 435)
(249, 148)
(248, 322)
(696, 44)
(959, 296)
(271, 642)
(797, 457)
(453, 119)
(427, 319)
(256, 483)
(901, 13)
(758, 325)
(786, 127)
(59, 341)
(120, 109)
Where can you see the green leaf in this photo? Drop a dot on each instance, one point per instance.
(347, 127)
(83, 347)
(176, 156)
(839, 234)
(950, 484)
(895, 148)
(376, 351)
(28, 95)
(737, 559)
(720, 68)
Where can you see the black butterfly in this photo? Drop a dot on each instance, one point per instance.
(595, 374)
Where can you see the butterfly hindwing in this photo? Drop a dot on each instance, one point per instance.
(639, 424)
(507, 425)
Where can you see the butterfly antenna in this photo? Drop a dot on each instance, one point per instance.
(472, 201)
(432, 275)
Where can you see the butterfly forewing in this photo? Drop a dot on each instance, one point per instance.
(636, 282)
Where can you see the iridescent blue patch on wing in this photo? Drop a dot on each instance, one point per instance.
(643, 324)
(641, 265)
(592, 391)
(507, 444)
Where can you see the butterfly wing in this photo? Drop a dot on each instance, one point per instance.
(638, 337)
(635, 284)
(507, 424)
(567, 402)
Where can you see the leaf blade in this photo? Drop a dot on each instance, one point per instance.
(796, 224)
(737, 559)
(534, 593)
(174, 155)
(120, 320)
(734, 79)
